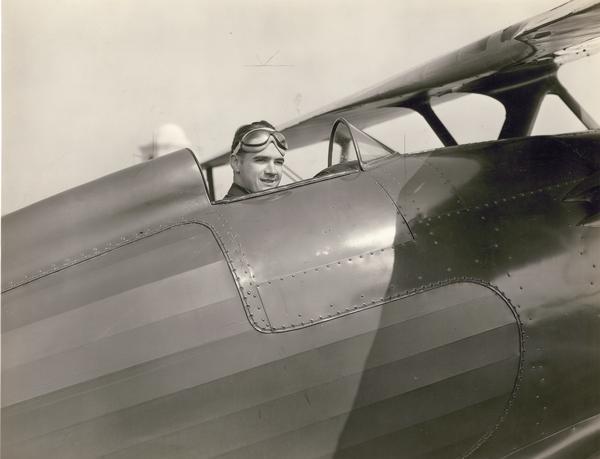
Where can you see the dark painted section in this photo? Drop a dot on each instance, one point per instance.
(505, 221)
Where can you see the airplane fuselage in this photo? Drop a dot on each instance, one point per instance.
(439, 304)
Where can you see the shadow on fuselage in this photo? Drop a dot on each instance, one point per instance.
(449, 394)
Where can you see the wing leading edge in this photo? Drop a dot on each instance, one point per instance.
(531, 49)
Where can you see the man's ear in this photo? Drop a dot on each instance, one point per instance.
(236, 163)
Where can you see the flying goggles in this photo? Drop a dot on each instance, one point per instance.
(257, 140)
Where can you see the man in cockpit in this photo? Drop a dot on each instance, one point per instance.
(257, 156)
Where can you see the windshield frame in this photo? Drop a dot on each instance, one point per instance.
(352, 130)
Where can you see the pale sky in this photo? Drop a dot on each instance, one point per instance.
(85, 83)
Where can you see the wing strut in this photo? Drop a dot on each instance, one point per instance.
(436, 124)
(522, 106)
(211, 183)
(575, 107)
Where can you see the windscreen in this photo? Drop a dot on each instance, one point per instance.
(341, 145)
(349, 143)
(369, 148)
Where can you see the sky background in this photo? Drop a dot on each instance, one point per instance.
(85, 83)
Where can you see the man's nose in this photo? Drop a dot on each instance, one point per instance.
(271, 168)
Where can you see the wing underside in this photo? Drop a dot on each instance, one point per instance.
(527, 52)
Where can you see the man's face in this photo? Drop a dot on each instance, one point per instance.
(259, 171)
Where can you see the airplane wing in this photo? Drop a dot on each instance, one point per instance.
(511, 55)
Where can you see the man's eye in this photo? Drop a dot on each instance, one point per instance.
(279, 162)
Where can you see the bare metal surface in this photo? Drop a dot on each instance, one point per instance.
(472, 334)
(332, 232)
(87, 220)
(436, 305)
(250, 390)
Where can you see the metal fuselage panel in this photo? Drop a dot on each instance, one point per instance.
(90, 219)
(335, 258)
(229, 391)
(505, 222)
(477, 325)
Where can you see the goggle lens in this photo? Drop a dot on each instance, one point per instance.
(258, 139)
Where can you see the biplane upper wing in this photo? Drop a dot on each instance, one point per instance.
(529, 50)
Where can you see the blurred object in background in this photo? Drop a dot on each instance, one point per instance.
(166, 139)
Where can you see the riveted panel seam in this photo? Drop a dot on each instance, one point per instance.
(498, 202)
(334, 263)
(445, 180)
(521, 367)
(243, 276)
(99, 251)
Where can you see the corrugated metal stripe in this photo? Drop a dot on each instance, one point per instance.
(177, 250)
(149, 342)
(492, 382)
(301, 431)
(222, 396)
(420, 439)
(239, 353)
(452, 433)
(454, 450)
(230, 354)
(70, 374)
(116, 314)
(226, 399)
